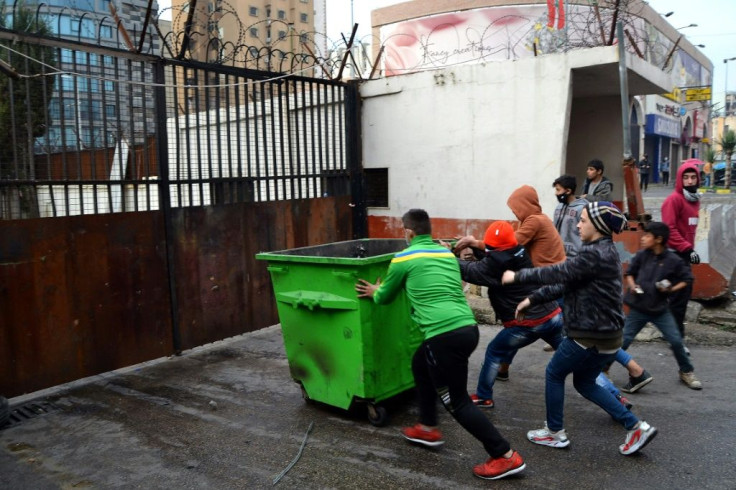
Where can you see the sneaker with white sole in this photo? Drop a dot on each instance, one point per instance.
(496, 468)
(481, 402)
(637, 438)
(635, 384)
(546, 437)
(691, 381)
(420, 435)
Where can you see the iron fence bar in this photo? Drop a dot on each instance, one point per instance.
(262, 103)
(248, 145)
(173, 69)
(198, 137)
(131, 121)
(228, 136)
(313, 148)
(280, 141)
(218, 125)
(293, 136)
(322, 91)
(107, 164)
(272, 164)
(333, 129)
(208, 118)
(354, 159)
(162, 154)
(119, 122)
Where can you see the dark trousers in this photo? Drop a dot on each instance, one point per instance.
(440, 367)
(679, 299)
(666, 178)
(643, 181)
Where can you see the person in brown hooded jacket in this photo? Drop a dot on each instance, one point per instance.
(535, 231)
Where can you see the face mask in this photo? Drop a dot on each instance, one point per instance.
(691, 188)
(561, 198)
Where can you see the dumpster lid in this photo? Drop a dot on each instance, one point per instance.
(362, 251)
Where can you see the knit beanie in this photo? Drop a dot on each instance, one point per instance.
(606, 217)
(500, 236)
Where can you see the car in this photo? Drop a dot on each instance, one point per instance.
(719, 170)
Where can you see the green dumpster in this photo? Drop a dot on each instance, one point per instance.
(343, 350)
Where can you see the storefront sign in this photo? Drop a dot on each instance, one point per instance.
(696, 94)
(662, 126)
(669, 109)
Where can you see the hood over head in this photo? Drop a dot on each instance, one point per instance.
(524, 202)
(684, 167)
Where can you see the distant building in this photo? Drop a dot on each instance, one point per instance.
(256, 34)
(89, 108)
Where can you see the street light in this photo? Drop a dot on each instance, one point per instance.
(700, 45)
(725, 88)
(685, 27)
(667, 14)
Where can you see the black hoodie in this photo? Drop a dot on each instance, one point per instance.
(504, 299)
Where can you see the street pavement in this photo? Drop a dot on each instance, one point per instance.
(228, 416)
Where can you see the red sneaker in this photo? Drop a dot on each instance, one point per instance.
(420, 435)
(493, 469)
(488, 403)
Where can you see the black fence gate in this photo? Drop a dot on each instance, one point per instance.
(135, 191)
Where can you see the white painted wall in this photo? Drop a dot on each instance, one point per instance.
(458, 141)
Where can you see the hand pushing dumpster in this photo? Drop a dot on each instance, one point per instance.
(342, 350)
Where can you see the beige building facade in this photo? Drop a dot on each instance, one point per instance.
(258, 33)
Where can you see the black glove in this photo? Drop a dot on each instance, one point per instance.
(694, 257)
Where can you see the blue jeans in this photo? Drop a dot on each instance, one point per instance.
(585, 366)
(510, 340)
(666, 324)
(605, 382)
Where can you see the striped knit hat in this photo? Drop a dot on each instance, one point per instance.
(606, 217)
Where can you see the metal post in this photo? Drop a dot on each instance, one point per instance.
(623, 79)
(164, 193)
(355, 159)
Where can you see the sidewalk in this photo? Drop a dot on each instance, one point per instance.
(229, 416)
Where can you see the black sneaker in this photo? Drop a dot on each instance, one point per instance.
(635, 384)
(502, 376)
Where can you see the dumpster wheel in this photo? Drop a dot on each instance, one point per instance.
(305, 396)
(377, 415)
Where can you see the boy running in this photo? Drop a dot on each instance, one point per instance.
(593, 313)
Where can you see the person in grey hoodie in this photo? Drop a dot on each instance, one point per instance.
(567, 213)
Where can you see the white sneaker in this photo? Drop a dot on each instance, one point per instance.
(545, 437)
(637, 438)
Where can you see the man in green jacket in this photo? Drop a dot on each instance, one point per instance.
(431, 277)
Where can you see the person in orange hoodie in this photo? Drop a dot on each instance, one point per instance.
(535, 231)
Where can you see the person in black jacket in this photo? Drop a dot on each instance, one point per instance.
(594, 319)
(541, 321)
(653, 274)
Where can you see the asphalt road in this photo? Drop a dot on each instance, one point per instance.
(229, 416)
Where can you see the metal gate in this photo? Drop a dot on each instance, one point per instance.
(135, 191)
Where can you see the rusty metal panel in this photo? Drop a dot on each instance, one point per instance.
(221, 289)
(80, 296)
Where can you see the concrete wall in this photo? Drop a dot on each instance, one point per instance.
(457, 141)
